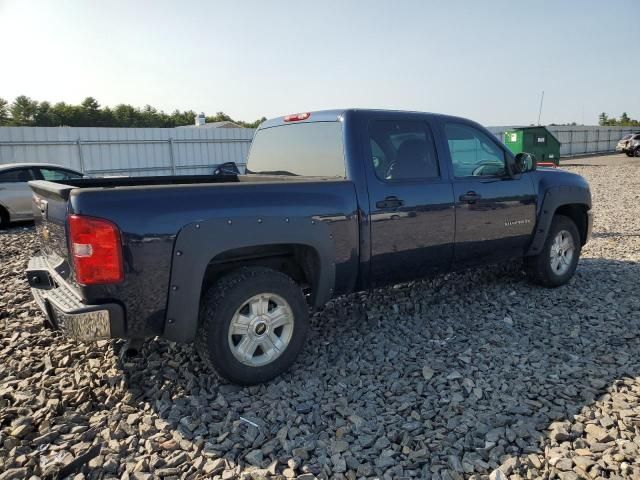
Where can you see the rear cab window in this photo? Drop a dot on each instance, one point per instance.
(311, 149)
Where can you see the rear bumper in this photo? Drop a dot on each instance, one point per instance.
(66, 312)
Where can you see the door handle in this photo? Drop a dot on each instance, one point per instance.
(389, 202)
(470, 197)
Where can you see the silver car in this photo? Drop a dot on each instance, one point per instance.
(15, 194)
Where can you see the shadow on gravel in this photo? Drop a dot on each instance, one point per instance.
(433, 379)
(614, 234)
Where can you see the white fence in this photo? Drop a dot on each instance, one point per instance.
(166, 151)
(127, 151)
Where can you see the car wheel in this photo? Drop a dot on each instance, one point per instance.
(636, 152)
(252, 326)
(557, 262)
(4, 218)
(628, 154)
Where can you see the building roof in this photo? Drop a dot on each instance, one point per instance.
(223, 124)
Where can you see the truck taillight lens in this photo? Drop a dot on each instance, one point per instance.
(96, 250)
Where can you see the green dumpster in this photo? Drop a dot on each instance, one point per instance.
(536, 140)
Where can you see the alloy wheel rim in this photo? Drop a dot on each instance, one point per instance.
(261, 329)
(562, 252)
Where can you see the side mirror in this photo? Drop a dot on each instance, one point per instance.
(524, 162)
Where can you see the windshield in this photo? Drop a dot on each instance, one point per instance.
(312, 149)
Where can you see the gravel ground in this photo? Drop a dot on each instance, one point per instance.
(473, 375)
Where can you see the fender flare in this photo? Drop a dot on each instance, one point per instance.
(199, 242)
(554, 198)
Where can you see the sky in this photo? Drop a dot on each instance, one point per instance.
(486, 60)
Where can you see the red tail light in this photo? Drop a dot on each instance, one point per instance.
(296, 117)
(96, 250)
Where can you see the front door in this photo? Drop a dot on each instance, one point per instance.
(495, 212)
(411, 202)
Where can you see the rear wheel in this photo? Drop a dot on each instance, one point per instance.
(4, 218)
(253, 324)
(557, 262)
(636, 152)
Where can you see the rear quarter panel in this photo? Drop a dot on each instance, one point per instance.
(202, 221)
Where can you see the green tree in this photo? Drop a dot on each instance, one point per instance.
(603, 118)
(183, 118)
(624, 119)
(23, 110)
(125, 116)
(4, 111)
(107, 118)
(43, 116)
(91, 112)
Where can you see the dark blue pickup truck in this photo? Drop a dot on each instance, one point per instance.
(332, 202)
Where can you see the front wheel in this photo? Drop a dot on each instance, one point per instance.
(557, 262)
(253, 324)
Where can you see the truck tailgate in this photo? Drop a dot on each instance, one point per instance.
(50, 214)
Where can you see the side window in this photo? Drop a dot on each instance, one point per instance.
(473, 153)
(402, 150)
(19, 175)
(53, 174)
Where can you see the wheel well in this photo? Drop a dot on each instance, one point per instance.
(578, 213)
(300, 262)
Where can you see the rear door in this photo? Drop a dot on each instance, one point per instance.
(410, 201)
(495, 213)
(15, 194)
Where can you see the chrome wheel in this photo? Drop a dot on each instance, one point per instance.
(261, 329)
(562, 252)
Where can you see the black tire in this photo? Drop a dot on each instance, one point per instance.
(628, 153)
(636, 152)
(538, 267)
(4, 218)
(220, 303)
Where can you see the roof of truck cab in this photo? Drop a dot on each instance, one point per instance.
(334, 115)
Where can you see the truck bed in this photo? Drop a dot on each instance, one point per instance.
(153, 214)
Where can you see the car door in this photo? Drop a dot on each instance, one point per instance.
(495, 211)
(410, 201)
(15, 194)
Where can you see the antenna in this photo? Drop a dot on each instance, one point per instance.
(540, 111)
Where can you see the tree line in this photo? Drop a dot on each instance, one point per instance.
(623, 121)
(24, 111)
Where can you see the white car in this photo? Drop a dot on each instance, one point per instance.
(15, 194)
